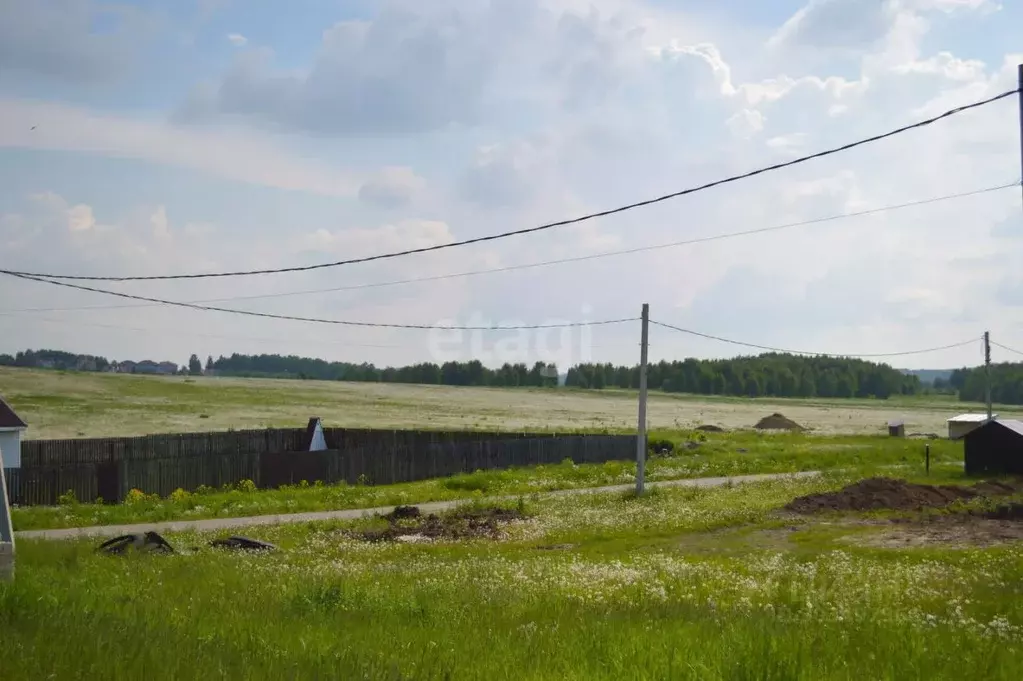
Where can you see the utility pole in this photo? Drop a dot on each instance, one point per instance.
(641, 432)
(987, 372)
(1020, 93)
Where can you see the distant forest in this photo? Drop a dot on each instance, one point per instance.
(768, 375)
(1006, 383)
(449, 373)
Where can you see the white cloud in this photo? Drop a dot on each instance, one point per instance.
(228, 153)
(80, 218)
(395, 187)
(947, 65)
(746, 123)
(237, 39)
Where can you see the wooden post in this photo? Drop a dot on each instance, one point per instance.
(641, 435)
(6, 530)
(927, 459)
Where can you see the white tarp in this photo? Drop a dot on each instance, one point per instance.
(317, 443)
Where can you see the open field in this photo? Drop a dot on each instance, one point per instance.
(681, 584)
(696, 455)
(65, 405)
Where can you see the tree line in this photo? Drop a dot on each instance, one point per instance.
(1006, 383)
(767, 375)
(449, 373)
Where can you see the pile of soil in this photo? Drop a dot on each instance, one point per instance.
(898, 495)
(406, 522)
(710, 429)
(777, 422)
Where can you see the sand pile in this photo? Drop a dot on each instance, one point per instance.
(777, 422)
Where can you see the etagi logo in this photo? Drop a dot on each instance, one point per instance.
(562, 342)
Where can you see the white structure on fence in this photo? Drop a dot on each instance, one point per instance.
(11, 427)
(961, 425)
(314, 433)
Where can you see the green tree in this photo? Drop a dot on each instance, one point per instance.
(194, 365)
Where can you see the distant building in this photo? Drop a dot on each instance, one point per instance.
(11, 427)
(960, 425)
(148, 366)
(994, 448)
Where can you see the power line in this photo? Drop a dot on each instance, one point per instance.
(560, 261)
(188, 334)
(1006, 347)
(803, 352)
(550, 225)
(317, 320)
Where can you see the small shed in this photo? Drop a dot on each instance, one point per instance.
(959, 426)
(994, 448)
(897, 428)
(11, 427)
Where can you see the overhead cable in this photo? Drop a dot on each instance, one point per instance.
(538, 228)
(768, 348)
(1006, 347)
(548, 263)
(163, 332)
(317, 320)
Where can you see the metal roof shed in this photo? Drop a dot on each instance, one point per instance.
(959, 426)
(995, 448)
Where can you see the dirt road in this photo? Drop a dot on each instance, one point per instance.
(353, 514)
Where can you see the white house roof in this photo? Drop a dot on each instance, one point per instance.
(971, 418)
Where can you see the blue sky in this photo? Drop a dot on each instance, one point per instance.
(221, 134)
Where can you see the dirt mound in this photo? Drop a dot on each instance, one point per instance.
(403, 513)
(710, 429)
(777, 422)
(898, 495)
(407, 523)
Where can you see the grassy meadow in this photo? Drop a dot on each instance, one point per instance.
(680, 584)
(70, 404)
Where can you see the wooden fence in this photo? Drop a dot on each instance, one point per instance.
(109, 468)
(46, 453)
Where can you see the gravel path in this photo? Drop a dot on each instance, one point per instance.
(352, 514)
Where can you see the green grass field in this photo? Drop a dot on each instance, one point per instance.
(68, 404)
(680, 584)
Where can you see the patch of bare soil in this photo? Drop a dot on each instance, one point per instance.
(777, 421)
(960, 530)
(890, 494)
(407, 523)
(709, 428)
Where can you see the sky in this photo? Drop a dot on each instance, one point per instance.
(218, 135)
